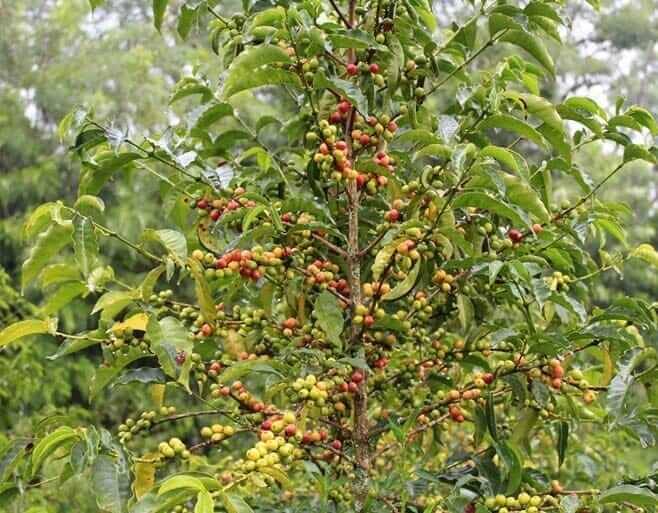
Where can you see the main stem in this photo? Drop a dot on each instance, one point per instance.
(360, 431)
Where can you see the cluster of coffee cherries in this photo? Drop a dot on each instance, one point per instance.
(354, 69)
(217, 433)
(215, 208)
(444, 280)
(124, 340)
(312, 390)
(523, 503)
(174, 447)
(333, 158)
(369, 134)
(559, 282)
(323, 273)
(133, 427)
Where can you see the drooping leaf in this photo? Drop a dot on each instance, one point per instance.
(329, 316)
(25, 328)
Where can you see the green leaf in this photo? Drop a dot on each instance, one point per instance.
(148, 285)
(523, 195)
(329, 316)
(159, 8)
(354, 39)
(636, 152)
(465, 309)
(204, 503)
(628, 493)
(233, 503)
(168, 337)
(110, 482)
(405, 285)
(85, 244)
(531, 44)
(521, 128)
(50, 444)
(251, 69)
(243, 368)
(512, 461)
(73, 345)
(279, 475)
(38, 220)
(113, 302)
(188, 15)
(182, 481)
(47, 245)
(647, 253)
(502, 155)
(172, 240)
(382, 260)
(105, 375)
(582, 103)
(499, 22)
(25, 328)
(490, 416)
(204, 297)
(540, 108)
(66, 293)
(344, 88)
(562, 441)
(485, 201)
(620, 386)
(644, 118)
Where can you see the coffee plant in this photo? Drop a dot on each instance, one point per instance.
(371, 303)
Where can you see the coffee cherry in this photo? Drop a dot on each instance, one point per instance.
(373, 68)
(352, 69)
(357, 377)
(515, 235)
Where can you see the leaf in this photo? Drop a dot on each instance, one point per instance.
(329, 316)
(159, 8)
(188, 16)
(50, 444)
(23, 329)
(354, 39)
(105, 375)
(521, 128)
(182, 481)
(168, 337)
(113, 302)
(47, 245)
(485, 201)
(502, 155)
(647, 253)
(38, 220)
(621, 384)
(513, 463)
(628, 493)
(405, 285)
(144, 472)
(110, 482)
(148, 285)
(490, 416)
(243, 368)
(562, 441)
(204, 503)
(202, 289)
(73, 345)
(85, 244)
(66, 293)
(343, 87)
(636, 152)
(141, 375)
(531, 44)
(172, 240)
(279, 475)
(247, 70)
(523, 195)
(233, 503)
(465, 308)
(382, 260)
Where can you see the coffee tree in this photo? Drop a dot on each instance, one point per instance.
(372, 303)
